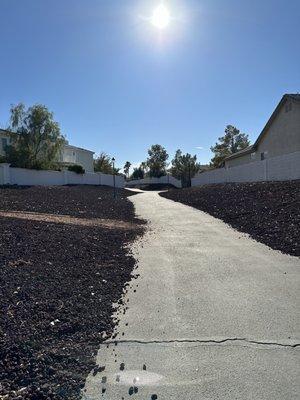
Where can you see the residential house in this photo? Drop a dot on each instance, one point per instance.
(280, 136)
(69, 155)
(5, 137)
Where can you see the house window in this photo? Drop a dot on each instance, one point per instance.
(253, 155)
(4, 142)
(263, 155)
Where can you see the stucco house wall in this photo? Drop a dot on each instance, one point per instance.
(4, 141)
(71, 155)
(283, 136)
(86, 159)
(280, 136)
(234, 162)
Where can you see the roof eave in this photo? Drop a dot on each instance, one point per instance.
(78, 148)
(240, 153)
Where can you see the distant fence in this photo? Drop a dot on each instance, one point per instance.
(281, 168)
(167, 179)
(31, 177)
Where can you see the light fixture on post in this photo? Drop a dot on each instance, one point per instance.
(114, 176)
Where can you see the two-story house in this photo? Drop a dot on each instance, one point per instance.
(5, 137)
(69, 155)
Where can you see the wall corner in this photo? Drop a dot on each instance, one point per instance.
(5, 173)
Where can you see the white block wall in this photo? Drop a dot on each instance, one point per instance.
(281, 168)
(1, 175)
(30, 177)
(20, 176)
(284, 168)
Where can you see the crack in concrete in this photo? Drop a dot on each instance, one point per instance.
(204, 341)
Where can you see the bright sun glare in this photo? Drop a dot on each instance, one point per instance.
(161, 17)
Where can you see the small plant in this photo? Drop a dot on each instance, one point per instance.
(76, 168)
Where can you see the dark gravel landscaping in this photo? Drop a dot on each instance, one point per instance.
(268, 211)
(59, 277)
(79, 201)
(156, 186)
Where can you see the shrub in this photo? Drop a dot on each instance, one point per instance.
(76, 168)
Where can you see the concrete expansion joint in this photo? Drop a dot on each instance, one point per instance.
(240, 341)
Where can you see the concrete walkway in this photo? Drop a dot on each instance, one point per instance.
(213, 315)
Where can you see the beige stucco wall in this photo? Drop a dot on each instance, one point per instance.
(245, 159)
(282, 137)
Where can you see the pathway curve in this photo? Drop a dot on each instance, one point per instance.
(212, 315)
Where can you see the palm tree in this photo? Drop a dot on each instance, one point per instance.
(127, 168)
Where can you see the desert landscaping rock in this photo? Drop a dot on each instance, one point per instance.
(268, 211)
(78, 201)
(58, 285)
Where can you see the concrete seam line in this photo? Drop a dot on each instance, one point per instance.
(202, 341)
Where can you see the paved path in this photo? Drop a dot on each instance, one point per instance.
(213, 315)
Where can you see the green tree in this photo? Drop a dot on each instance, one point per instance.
(144, 168)
(103, 163)
(157, 160)
(36, 139)
(232, 142)
(127, 168)
(138, 173)
(184, 167)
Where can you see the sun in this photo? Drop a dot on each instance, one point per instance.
(161, 17)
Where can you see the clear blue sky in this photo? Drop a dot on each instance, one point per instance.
(117, 84)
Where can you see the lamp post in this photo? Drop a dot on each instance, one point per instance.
(114, 176)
